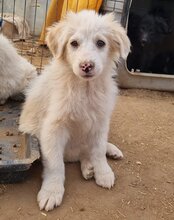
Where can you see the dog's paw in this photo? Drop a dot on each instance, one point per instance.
(50, 197)
(105, 180)
(113, 152)
(87, 170)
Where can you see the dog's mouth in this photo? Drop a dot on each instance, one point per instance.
(88, 76)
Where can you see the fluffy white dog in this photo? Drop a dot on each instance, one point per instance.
(15, 71)
(69, 107)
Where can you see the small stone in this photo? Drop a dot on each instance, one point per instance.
(43, 214)
(138, 163)
(7, 133)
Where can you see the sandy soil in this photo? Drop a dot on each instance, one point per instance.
(35, 53)
(142, 126)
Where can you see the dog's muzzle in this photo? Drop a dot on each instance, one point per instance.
(87, 68)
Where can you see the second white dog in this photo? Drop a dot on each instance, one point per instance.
(15, 71)
(69, 107)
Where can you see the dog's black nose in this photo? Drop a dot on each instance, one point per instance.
(143, 42)
(87, 66)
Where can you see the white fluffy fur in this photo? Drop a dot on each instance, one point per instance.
(15, 71)
(69, 113)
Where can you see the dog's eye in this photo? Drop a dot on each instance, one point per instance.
(74, 43)
(100, 43)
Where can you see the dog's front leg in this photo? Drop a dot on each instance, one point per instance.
(103, 174)
(53, 141)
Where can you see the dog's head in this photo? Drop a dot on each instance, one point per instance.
(88, 42)
(153, 29)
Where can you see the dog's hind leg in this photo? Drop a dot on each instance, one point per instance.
(86, 166)
(87, 169)
(113, 152)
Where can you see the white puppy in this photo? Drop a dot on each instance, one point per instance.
(15, 71)
(69, 107)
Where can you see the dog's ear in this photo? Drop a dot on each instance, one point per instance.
(56, 38)
(118, 37)
(122, 42)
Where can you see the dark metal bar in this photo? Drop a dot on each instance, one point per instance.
(2, 9)
(57, 8)
(77, 5)
(14, 6)
(33, 32)
(87, 5)
(67, 7)
(125, 12)
(23, 25)
(42, 52)
(114, 5)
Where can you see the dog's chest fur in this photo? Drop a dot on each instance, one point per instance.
(86, 103)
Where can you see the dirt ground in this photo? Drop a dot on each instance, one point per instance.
(35, 53)
(142, 126)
